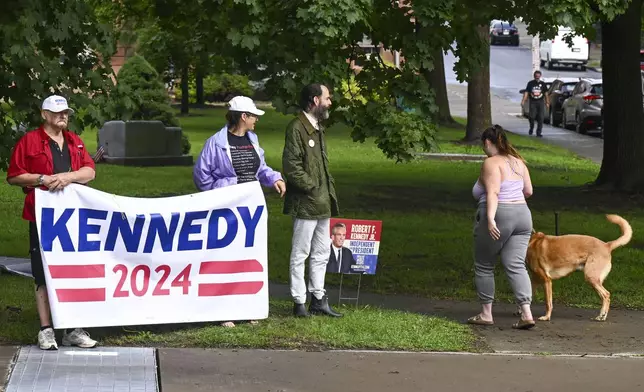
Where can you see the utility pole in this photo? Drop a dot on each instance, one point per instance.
(536, 62)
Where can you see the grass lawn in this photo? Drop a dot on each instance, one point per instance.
(427, 212)
(360, 328)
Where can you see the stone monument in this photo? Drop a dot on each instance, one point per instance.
(142, 143)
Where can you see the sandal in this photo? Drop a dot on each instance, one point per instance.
(477, 320)
(524, 324)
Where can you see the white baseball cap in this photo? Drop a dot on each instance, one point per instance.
(56, 104)
(244, 104)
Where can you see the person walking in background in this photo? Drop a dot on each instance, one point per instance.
(536, 93)
(233, 155)
(310, 199)
(50, 158)
(503, 225)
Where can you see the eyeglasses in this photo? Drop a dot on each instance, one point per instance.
(64, 113)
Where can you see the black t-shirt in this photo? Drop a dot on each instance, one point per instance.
(536, 90)
(62, 159)
(245, 158)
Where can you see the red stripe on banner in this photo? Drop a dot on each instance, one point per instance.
(77, 271)
(81, 295)
(230, 267)
(236, 288)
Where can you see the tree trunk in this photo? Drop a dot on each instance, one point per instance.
(185, 90)
(436, 80)
(623, 116)
(199, 85)
(479, 105)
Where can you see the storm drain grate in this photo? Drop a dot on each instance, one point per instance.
(104, 369)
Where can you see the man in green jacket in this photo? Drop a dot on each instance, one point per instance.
(310, 200)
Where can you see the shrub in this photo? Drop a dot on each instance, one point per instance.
(218, 88)
(141, 95)
(140, 84)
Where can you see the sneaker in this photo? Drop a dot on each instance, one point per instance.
(47, 340)
(80, 338)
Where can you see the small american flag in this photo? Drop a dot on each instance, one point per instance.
(98, 156)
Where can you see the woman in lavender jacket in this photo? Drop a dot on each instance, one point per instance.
(233, 155)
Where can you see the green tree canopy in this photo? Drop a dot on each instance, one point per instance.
(50, 47)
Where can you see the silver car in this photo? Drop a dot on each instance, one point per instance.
(583, 110)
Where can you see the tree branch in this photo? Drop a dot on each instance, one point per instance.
(592, 4)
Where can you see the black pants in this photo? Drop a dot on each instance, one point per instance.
(537, 112)
(37, 269)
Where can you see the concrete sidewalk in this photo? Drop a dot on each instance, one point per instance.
(190, 370)
(571, 330)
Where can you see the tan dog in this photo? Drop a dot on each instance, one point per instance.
(553, 257)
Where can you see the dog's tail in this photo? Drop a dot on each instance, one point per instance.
(627, 231)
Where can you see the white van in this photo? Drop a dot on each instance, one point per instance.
(556, 51)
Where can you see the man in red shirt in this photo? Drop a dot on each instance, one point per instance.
(50, 157)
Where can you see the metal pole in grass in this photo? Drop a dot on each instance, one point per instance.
(357, 297)
(556, 223)
(340, 292)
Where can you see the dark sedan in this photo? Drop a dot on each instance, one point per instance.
(504, 32)
(559, 92)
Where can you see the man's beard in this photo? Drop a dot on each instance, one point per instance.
(321, 113)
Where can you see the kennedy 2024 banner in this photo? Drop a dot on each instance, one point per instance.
(354, 246)
(113, 260)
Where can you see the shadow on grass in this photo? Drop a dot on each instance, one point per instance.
(586, 197)
(448, 197)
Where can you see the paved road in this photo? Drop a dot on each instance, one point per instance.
(510, 70)
(185, 370)
(504, 112)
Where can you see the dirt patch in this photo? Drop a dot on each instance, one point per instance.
(571, 330)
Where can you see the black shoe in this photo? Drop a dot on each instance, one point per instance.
(299, 310)
(539, 135)
(530, 132)
(321, 306)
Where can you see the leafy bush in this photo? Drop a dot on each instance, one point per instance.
(185, 145)
(224, 86)
(141, 95)
(192, 91)
(218, 88)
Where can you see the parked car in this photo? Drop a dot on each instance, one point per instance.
(556, 51)
(560, 90)
(583, 109)
(502, 31)
(525, 108)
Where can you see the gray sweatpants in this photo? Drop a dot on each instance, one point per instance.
(515, 224)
